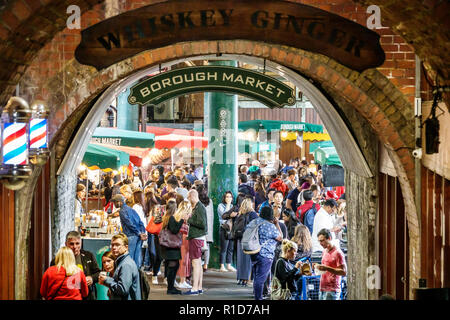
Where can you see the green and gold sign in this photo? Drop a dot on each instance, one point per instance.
(255, 85)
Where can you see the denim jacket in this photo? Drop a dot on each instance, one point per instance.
(131, 223)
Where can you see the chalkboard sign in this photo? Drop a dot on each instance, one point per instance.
(333, 176)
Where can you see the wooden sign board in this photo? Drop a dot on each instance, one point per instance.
(276, 22)
(255, 85)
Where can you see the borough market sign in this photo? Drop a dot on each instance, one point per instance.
(271, 21)
(167, 85)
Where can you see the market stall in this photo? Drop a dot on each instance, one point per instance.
(119, 137)
(292, 137)
(332, 170)
(94, 222)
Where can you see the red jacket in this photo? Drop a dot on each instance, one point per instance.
(304, 208)
(74, 287)
(279, 185)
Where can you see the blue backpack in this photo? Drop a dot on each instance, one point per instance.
(308, 219)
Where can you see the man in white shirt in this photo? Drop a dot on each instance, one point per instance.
(324, 220)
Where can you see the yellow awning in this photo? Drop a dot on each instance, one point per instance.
(307, 136)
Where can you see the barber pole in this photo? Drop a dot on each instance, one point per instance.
(38, 134)
(15, 150)
(14, 166)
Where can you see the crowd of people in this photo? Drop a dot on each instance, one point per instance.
(169, 220)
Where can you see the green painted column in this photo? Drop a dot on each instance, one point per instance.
(221, 112)
(127, 114)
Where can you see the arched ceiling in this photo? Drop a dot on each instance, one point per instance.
(28, 25)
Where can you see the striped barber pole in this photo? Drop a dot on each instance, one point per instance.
(38, 133)
(15, 144)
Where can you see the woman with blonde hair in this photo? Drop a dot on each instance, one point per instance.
(171, 254)
(64, 280)
(244, 264)
(302, 237)
(184, 210)
(285, 270)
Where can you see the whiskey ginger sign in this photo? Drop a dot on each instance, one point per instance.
(270, 21)
(255, 85)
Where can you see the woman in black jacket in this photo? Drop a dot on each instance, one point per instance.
(285, 270)
(171, 256)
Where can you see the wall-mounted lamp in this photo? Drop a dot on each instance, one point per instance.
(15, 166)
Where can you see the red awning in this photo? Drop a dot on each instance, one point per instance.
(180, 141)
(159, 131)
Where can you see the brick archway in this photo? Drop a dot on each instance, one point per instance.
(370, 93)
(373, 96)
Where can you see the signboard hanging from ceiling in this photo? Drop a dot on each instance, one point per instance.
(255, 85)
(277, 22)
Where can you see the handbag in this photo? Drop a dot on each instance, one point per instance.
(227, 226)
(153, 226)
(170, 240)
(278, 293)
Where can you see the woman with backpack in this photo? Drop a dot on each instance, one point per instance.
(246, 214)
(269, 233)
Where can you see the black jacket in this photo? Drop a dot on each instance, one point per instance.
(286, 272)
(246, 189)
(90, 268)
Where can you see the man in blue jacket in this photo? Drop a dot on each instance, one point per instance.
(124, 284)
(132, 227)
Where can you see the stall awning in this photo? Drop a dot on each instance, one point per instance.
(321, 144)
(327, 156)
(137, 155)
(251, 147)
(271, 125)
(160, 131)
(101, 157)
(119, 137)
(170, 141)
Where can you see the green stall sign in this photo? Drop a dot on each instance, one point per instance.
(255, 85)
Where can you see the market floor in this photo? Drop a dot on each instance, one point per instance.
(216, 286)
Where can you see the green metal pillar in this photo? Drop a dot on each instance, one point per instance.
(127, 114)
(222, 116)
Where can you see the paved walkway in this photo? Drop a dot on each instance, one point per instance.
(216, 286)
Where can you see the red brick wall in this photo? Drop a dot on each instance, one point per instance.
(399, 66)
